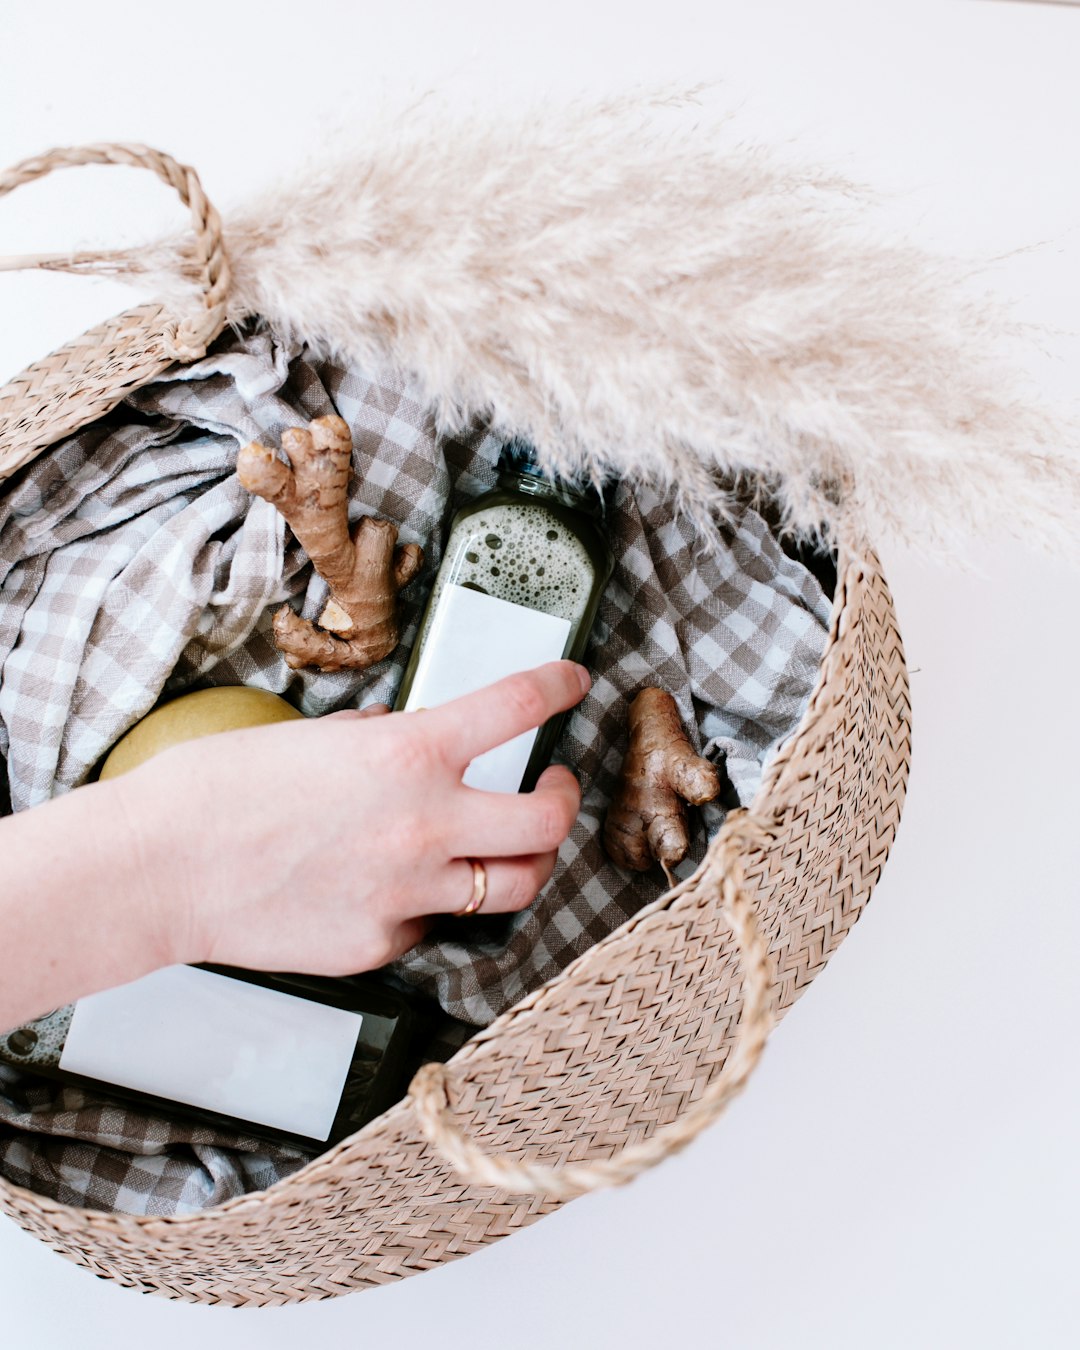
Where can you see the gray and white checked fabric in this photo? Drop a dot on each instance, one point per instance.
(81, 1150)
(132, 563)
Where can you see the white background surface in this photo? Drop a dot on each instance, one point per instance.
(903, 1170)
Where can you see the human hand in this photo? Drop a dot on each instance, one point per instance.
(325, 846)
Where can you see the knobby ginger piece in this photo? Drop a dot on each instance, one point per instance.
(646, 822)
(364, 570)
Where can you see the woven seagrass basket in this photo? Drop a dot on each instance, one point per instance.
(544, 1104)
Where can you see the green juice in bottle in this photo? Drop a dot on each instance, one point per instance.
(520, 584)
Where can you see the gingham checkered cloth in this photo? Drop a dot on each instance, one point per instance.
(132, 562)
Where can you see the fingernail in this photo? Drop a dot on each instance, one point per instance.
(584, 678)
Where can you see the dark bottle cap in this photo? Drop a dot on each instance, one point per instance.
(519, 456)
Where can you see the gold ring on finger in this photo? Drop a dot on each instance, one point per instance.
(479, 888)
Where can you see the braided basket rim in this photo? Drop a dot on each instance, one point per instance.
(818, 709)
(858, 683)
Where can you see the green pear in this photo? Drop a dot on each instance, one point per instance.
(192, 715)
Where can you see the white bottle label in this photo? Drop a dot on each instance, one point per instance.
(472, 641)
(200, 1038)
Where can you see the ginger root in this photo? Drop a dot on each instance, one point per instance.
(363, 570)
(646, 822)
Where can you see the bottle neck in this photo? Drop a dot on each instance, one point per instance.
(531, 483)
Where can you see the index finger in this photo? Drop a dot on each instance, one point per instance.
(468, 726)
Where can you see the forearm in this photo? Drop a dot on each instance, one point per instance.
(82, 906)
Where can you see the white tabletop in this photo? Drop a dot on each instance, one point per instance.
(903, 1170)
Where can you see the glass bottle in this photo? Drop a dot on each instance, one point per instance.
(520, 583)
(298, 1059)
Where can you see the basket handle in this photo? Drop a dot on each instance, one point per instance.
(195, 333)
(428, 1090)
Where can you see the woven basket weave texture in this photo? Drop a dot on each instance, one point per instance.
(614, 1048)
(639, 1042)
(88, 377)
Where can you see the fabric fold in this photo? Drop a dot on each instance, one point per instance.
(137, 567)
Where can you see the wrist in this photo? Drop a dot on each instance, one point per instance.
(158, 871)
